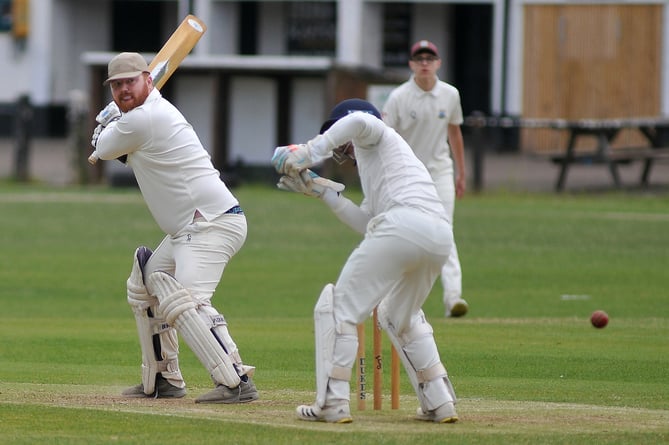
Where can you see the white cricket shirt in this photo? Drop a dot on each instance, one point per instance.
(173, 170)
(390, 174)
(422, 119)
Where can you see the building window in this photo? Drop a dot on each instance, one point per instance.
(144, 19)
(311, 28)
(396, 33)
(5, 15)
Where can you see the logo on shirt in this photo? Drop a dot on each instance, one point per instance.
(413, 114)
(442, 114)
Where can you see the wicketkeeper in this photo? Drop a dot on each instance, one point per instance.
(170, 289)
(407, 237)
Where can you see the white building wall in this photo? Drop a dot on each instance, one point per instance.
(253, 121)
(498, 49)
(665, 63)
(193, 94)
(514, 67)
(16, 65)
(222, 36)
(47, 66)
(78, 26)
(349, 32)
(308, 109)
(428, 23)
(40, 52)
(272, 29)
(371, 45)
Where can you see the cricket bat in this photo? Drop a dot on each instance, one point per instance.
(173, 52)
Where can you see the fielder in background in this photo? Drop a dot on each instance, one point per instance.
(170, 289)
(407, 237)
(427, 113)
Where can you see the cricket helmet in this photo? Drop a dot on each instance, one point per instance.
(346, 107)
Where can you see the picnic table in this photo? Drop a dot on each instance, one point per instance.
(654, 129)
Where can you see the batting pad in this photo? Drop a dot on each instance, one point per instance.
(179, 309)
(332, 346)
(153, 334)
(147, 327)
(418, 351)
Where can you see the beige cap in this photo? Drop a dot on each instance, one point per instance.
(126, 66)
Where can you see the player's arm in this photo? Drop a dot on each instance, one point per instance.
(347, 212)
(310, 184)
(123, 136)
(360, 127)
(457, 145)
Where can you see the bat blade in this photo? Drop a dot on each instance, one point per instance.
(173, 52)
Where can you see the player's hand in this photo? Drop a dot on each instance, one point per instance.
(96, 135)
(460, 186)
(291, 159)
(309, 183)
(109, 114)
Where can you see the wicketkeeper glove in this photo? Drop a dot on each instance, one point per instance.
(292, 159)
(309, 183)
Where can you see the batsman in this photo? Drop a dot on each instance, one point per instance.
(170, 289)
(407, 237)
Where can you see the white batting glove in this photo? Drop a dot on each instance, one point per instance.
(309, 183)
(98, 131)
(291, 159)
(109, 114)
(96, 135)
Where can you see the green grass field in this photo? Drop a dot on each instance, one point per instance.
(526, 364)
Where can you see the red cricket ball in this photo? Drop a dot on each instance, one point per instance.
(599, 319)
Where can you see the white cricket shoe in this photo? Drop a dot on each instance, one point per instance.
(340, 413)
(444, 414)
(456, 308)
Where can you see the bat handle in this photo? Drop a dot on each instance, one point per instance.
(93, 158)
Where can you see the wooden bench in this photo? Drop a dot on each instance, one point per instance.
(603, 130)
(615, 157)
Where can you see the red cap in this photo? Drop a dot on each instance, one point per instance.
(424, 46)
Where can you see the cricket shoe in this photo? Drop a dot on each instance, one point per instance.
(444, 414)
(456, 308)
(163, 390)
(245, 392)
(340, 413)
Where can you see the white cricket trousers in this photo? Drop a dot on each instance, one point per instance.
(398, 260)
(451, 272)
(198, 254)
(396, 265)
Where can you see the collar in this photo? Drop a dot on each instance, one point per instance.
(153, 95)
(419, 91)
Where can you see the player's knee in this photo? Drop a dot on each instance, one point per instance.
(136, 290)
(173, 297)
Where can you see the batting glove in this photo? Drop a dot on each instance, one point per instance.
(109, 114)
(292, 159)
(309, 183)
(96, 135)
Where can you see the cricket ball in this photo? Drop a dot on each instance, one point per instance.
(599, 319)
